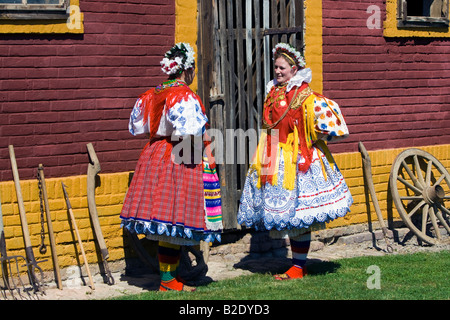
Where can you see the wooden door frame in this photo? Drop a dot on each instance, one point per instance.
(218, 104)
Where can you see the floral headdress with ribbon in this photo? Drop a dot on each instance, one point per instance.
(289, 52)
(180, 57)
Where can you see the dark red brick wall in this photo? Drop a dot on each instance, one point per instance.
(60, 92)
(394, 92)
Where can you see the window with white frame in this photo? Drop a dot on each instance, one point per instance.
(34, 9)
(422, 13)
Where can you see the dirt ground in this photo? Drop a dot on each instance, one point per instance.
(217, 270)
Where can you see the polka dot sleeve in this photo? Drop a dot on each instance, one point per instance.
(329, 122)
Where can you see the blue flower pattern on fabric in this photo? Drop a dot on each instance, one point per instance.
(168, 229)
(136, 125)
(173, 117)
(187, 117)
(320, 194)
(182, 121)
(313, 200)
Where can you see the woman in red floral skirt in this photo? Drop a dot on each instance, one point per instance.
(168, 201)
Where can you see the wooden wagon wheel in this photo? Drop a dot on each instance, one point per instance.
(420, 188)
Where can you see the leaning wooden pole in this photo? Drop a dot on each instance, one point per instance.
(32, 264)
(93, 170)
(72, 217)
(50, 227)
(367, 170)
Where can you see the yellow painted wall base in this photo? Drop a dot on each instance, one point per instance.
(109, 200)
(111, 193)
(350, 165)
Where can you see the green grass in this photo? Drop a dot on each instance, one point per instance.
(420, 276)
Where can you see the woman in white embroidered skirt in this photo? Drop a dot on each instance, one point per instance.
(293, 185)
(174, 202)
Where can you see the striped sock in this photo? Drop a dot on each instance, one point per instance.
(169, 260)
(300, 248)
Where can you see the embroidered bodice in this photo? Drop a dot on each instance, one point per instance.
(170, 108)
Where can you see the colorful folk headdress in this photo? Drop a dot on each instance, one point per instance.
(180, 57)
(290, 53)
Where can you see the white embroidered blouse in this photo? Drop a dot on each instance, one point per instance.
(183, 118)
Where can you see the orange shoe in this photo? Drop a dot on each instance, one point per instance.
(293, 273)
(175, 285)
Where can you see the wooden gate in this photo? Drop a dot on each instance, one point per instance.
(235, 44)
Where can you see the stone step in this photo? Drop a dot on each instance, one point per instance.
(370, 236)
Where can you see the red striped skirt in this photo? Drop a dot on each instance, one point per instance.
(165, 198)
